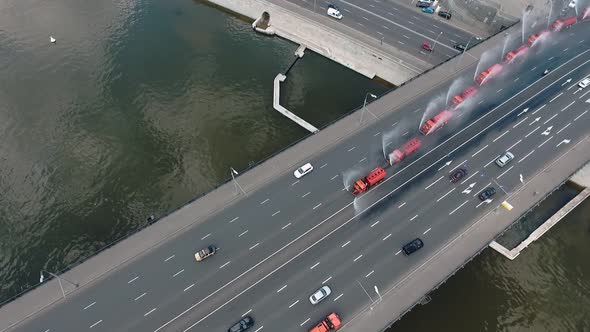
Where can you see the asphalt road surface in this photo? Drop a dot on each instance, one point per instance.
(293, 236)
(397, 25)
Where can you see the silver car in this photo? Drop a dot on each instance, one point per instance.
(504, 159)
(301, 171)
(320, 294)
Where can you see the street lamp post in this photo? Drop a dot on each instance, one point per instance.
(365, 105)
(502, 188)
(59, 279)
(434, 46)
(314, 5)
(237, 186)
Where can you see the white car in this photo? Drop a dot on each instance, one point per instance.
(301, 171)
(584, 83)
(320, 294)
(504, 159)
(572, 4)
(334, 12)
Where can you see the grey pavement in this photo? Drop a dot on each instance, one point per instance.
(288, 236)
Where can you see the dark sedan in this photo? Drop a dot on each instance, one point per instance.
(244, 324)
(458, 174)
(413, 246)
(487, 193)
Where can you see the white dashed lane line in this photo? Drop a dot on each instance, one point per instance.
(149, 312)
(305, 322)
(369, 274)
(254, 246)
(189, 287)
(293, 304)
(375, 223)
(324, 165)
(247, 312)
(266, 200)
(414, 217)
(243, 233)
(359, 257)
(139, 297)
(399, 207)
(387, 237)
(132, 280)
(314, 265)
(206, 236)
(325, 281)
(287, 225)
(458, 207)
(98, 322)
(281, 289)
(224, 265)
(177, 273)
(335, 176)
(274, 214)
(344, 245)
(90, 305)
(317, 206)
(169, 258)
(337, 297)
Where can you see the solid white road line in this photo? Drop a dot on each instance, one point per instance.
(506, 171)
(98, 322)
(139, 297)
(149, 312)
(90, 305)
(325, 281)
(458, 207)
(189, 287)
(169, 258)
(433, 183)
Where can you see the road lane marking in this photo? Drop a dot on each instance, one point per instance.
(305, 322)
(529, 134)
(414, 217)
(366, 209)
(354, 147)
(375, 223)
(243, 233)
(470, 176)
(359, 257)
(293, 304)
(401, 43)
(404, 134)
(426, 231)
(487, 185)
(247, 312)
(254, 246)
(365, 158)
(559, 95)
(513, 145)
(478, 151)
(234, 219)
(497, 138)
(324, 165)
(506, 171)
(224, 265)
(579, 116)
(481, 102)
(344, 245)
(90, 305)
(445, 195)
(381, 33)
(499, 90)
(567, 125)
(399, 207)
(317, 206)
(538, 109)
(406, 37)
(132, 280)
(258, 329)
(516, 79)
(337, 297)
(398, 252)
(294, 183)
(314, 265)
(369, 274)
(432, 184)
(98, 322)
(411, 22)
(523, 158)
(365, 18)
(547, 140)
(149, 312)
(287, 225)
(387, 237)
(325, 281)
(385, 27)
(139, 297)
(177, 273)
(189, 287)
(458, 207)
(570, 104)
(274, 214)
(266, 200)
(169, 258)
(377, 134)
(281, 289)
(491, 161)
(335, 176)
(519, 122)
(396, 122)
(206, 236)
(551, 118)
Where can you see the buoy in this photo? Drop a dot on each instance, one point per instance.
(51, 39)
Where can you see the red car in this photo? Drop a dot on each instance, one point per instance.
(426, 46)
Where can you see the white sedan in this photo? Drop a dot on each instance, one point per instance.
(301, 171)
(584, 83)
(320, 294)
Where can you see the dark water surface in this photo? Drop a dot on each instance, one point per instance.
(139, 107)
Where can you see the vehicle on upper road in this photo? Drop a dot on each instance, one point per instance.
(334, 12)
(572, 4)
(584, 83)
(361, 185)
(460, 47)
(489, 73)
(487, 193)
(332, 322)
(303, 170)
(445, 14)
(533, 38)
(407, 149)
(427, 47)
(564, 23)
(516, 54)
(413, 246)
(545, 72)
(205, 252)
(244, 324)
(458, 174)
(320, 294)
(436, 122)
(423, 4)
(469, 92)
(505, 159)
(428, 10)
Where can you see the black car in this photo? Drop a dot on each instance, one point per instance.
(460, 47)
(444, 14)
(423, 4)
(487, 193)
(458, 174)
(413, 246)
(244, 324)
(333, 7)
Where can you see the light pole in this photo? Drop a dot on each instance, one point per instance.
(59, 279)
(365, 105)
(434, 46)
(237, 186)
(314, 5)
(377, 291)
(500, 186)
(463, 53)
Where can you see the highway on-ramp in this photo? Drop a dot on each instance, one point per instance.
(292, 236)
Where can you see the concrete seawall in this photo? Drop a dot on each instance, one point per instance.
(353, 50)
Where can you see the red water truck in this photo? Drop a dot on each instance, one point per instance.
(516, 54)
(533, 38)
(563, 23)
(361, 185)
(332, 322)
(488, 74)
(436, 122)
(407, 149)
(467, 93)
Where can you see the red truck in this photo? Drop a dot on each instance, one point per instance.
(407, 149)
(467, 93)
(515, 54)
(533, 38)
(361, 185)
(563, 23)
(436, 122)
(488, 74)
(331, 323)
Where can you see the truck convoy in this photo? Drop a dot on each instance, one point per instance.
(564, 23)
(331, 323)
(407, 149)
(467, 93)
(361, 185)
(488, 74)
(517, 53)
(436, 122)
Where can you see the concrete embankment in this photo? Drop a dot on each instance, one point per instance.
(353, 49)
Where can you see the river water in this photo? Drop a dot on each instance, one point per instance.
(142, 105)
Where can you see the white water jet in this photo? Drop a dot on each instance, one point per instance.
(433, 106)
(507, 38)
(525, 22)
(386, 140)
(350, 176)
(455, 88)
(485, 57)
